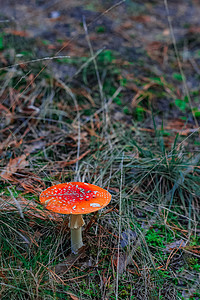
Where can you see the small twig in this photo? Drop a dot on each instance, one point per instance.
(35, 60)
(172, 255)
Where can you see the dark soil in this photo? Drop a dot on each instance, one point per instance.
(137, 32)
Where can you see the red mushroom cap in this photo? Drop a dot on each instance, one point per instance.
(75, 198)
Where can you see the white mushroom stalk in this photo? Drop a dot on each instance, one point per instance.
(75, 223)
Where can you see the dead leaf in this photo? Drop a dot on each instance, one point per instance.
(83, 137)
(17, 32)
(31, 183)
(29, 208)
(194, 30)
(73, 296)
(121, 262)
(85, 94)
(14, 165)
(142, 94)
(156, 50)
(127, 24)
(179, 126)
(175, 245)
(73, 161)
(92, 132)
(142, 18)
(166, 32)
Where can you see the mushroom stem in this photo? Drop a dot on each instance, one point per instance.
(75, 223)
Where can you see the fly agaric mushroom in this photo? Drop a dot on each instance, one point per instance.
(76, 199)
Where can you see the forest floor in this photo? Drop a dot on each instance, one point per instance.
(108, 93)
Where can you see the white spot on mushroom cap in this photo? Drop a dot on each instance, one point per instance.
(95, 204)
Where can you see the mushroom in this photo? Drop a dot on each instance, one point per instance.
(76, 199)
